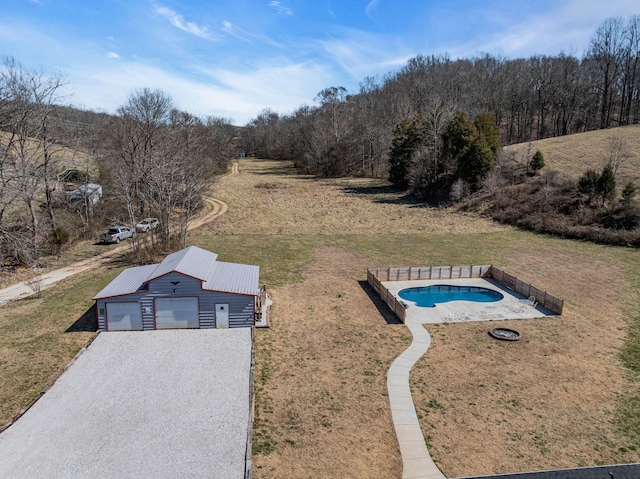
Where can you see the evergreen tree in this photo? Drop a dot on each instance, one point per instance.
(468, 148)
(486, 125)
(537, 161)
(408, 137)
(606, 185)
(588, 184)
(628, 193)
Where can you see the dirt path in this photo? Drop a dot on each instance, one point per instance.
(43, 281)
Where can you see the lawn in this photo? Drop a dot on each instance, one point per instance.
(557, 398)
(321, 367)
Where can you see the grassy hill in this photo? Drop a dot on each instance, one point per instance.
(64, 157)
(550, 201)
(573, 154)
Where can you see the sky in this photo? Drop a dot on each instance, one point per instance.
(236, 58)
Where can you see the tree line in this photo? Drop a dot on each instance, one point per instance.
(151, 159)
(526, 98)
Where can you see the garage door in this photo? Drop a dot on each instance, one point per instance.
(177, 313)
(124, 317)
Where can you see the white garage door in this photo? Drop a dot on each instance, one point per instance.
(124, 317)
(177, 313)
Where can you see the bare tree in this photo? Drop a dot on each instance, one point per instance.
(606, 56)
(530, 98)
(161, 160)
(617, 153)
(630, 72)
(29, 155)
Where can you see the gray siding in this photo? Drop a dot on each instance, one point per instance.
(102, 322)
(241, 307)
(207, 319)
(148, 320)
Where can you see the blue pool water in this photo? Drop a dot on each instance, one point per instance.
(428, 296)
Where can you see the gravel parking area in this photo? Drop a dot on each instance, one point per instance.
(159, 404)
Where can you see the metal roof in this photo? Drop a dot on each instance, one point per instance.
(129, 281)
(192, 261)
(617, 471)
(233, 278)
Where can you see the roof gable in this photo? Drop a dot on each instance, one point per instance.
(193, 262)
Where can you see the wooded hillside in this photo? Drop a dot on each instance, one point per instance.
(528, 98)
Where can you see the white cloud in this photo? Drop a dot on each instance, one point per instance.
(112, 55)
(234, 31)
(281, 9)
(371, 7)
(282, 87)
(178, 21)
(567, 27)
(362, 54)
(247, 36)
(239, 94)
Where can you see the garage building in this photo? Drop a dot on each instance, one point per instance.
(189, 289)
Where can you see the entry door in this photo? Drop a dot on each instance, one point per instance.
(222, 315)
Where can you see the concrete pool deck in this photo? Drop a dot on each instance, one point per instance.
(416, 460)
(510, 307)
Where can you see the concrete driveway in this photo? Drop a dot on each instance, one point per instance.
(152, 404)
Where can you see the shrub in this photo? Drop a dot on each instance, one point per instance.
(458, 190)
(59, 237)
(628, 193)
(606, 185)
(537, 161)
(588, 184)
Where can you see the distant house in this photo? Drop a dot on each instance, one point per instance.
(189, 289)
(91, 192)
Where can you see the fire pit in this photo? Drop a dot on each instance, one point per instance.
(505, 334)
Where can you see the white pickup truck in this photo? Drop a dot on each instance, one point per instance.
(117, 234)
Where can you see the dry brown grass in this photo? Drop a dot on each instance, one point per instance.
(77, 252)
(486, 407)
(321, 389)
(64, 156)
(572, 155)
(545, 402)
(267, 198)
(321, 404)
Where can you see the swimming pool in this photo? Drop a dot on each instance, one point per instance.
(428, 296)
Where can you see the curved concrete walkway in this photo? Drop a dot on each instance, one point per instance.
(416, 460)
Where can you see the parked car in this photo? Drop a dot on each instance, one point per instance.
(147, 225)
(117, 234)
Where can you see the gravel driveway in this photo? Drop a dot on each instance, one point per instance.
(159, 404)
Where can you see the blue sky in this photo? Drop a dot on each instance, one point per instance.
(234, 58)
